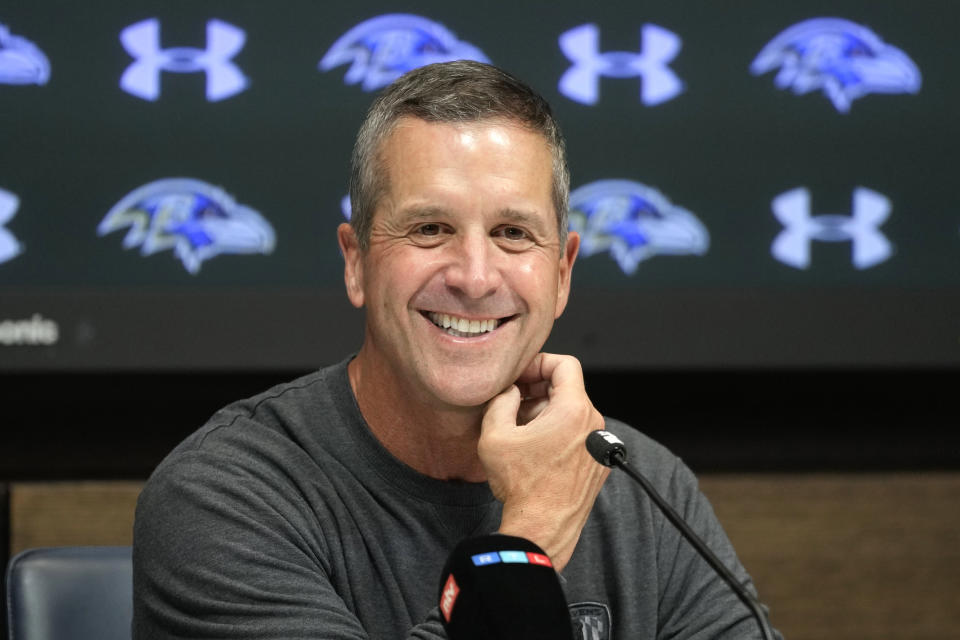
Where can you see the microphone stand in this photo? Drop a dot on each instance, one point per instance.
(618, 459)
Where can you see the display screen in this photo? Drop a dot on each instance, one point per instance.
(756, 184)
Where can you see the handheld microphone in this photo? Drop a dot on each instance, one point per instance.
(609, 450)
(500, 587)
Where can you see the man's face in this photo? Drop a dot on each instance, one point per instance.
(464, 274)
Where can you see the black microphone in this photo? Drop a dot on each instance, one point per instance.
(501, 587)
(609, 450)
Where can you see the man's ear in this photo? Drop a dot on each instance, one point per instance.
(566, 268)
(353, 263)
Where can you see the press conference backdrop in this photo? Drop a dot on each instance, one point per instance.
(756, 184)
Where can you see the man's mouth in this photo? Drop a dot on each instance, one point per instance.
(464, 327)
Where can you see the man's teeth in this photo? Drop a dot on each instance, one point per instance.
(461, 327)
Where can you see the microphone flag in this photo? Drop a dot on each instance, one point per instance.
(500, 587)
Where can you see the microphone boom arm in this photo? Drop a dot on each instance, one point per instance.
(610, 451)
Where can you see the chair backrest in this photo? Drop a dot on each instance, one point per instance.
(70, 593)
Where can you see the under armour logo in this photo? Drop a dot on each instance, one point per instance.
(142, 78)
(861, 228)
(9, 247)
(658, 47)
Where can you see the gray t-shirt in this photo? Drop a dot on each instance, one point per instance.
(284, 517)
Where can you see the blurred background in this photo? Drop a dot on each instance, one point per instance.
(769, 280)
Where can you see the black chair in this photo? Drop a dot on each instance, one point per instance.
(70, 593)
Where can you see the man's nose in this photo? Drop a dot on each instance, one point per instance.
(475, 267)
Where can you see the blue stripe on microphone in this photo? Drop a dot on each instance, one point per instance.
(483, 559)
(494, 557)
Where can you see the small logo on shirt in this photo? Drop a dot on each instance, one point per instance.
(591, 621)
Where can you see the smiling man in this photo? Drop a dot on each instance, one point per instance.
(326, 507)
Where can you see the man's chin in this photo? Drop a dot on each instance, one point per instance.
(471, 395)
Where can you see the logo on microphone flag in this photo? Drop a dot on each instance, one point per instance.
(449, 597)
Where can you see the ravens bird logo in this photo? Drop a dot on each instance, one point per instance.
(633, 222)
(21, 62)
(382, 49)
(196, 220)
(843, 59)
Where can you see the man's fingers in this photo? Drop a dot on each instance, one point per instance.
(557, 370)
(503, 407)
(541, 472)
(534, 390)
(530, 408)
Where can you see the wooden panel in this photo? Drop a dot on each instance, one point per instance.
(858, 556)
(53, 514)
(849, 556)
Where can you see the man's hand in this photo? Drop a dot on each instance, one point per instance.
(532, 447)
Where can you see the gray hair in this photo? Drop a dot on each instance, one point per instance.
(449, 92)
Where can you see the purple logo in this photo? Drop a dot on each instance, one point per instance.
(142, 77)
(633, 222)
(841, 58)
(658, 47)
(21, 61)
(869, 246)
(9, 246)
(382, 49)
(195, 220)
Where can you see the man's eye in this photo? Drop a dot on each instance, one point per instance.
(513, 233)
(430, 229)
